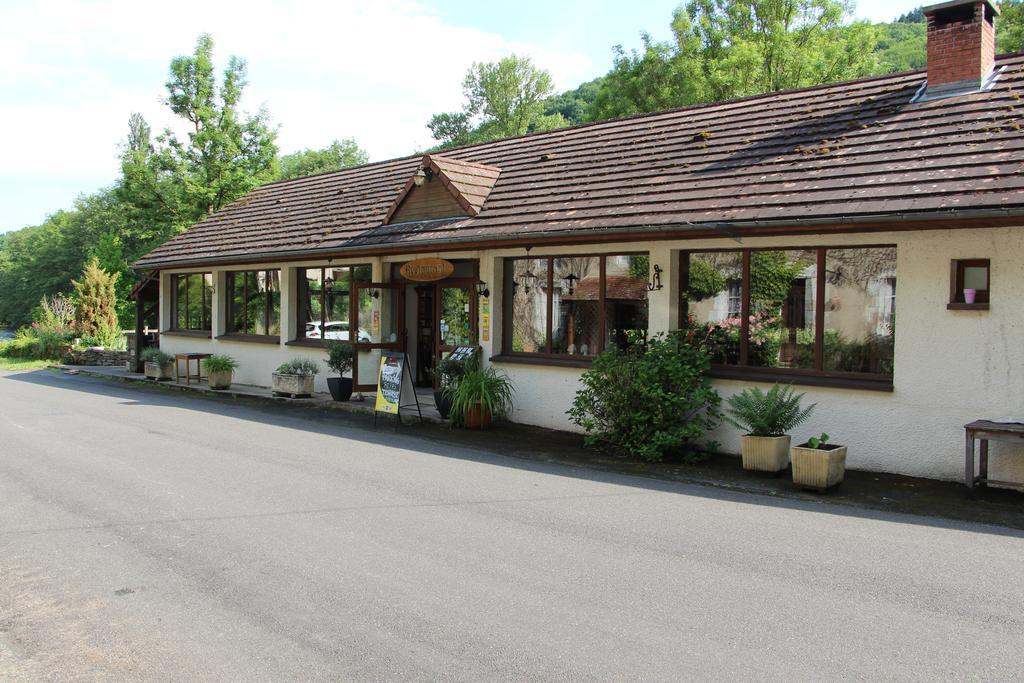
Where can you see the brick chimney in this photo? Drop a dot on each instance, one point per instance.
(961, 46)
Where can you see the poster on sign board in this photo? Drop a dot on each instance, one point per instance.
(389, 383)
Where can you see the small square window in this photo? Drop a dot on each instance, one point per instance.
(969, 284)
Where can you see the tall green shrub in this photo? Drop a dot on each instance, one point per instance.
(648, 401)
(96, 302)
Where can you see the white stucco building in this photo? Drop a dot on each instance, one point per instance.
(823, 237)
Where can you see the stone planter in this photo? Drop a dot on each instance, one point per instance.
(818, 468)
(219, 379)
(296, 386)
(160, 373)
(765, 453)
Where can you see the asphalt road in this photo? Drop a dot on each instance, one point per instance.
(151, 535)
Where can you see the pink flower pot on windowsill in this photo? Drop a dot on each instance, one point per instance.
(970, 295)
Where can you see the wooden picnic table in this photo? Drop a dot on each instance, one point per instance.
(984, 431)
(188, 358)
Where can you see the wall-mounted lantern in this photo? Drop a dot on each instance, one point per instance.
(655, 283)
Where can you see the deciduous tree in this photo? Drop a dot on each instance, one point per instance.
(337, 155)
(503, 99)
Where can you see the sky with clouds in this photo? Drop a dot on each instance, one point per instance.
(71, 72)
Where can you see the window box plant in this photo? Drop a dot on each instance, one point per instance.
(339, 358)
(766, 417)
(295, 378)
(449, 372)
(818, 464)
(481, 396)
(157, 364)
(219, 370)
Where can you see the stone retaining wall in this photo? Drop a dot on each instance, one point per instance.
(98, 356)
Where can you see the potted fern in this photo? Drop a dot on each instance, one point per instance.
(766, 417)
(157, 364)
(295, 378)
(818, 464)
(219, 369)
(480, 396)
(339, 358)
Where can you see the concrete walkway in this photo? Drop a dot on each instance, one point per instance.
(248, 391)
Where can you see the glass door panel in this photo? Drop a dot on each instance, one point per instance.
(378, 315)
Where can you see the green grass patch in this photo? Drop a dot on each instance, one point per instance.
(23, 363)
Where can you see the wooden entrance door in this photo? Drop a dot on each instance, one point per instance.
(379, 313)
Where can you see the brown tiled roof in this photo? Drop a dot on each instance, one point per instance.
(468, 183)
(837, 153)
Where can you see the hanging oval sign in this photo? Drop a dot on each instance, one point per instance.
(427, 269)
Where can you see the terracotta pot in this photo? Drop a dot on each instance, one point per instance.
(296, 386)
(219, 379)
(765, 453)
(477, 418)
(818, 468)
(160, 373)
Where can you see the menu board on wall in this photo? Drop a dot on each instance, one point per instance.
(462, 353)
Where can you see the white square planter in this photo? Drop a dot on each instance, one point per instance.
(816, 468)
(159, 372)
(295, 386)
(765, 453)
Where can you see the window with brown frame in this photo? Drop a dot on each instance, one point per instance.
(574, 306)
(969, 284)
(254, 303)
(325, 304)
(192, 302)
(828, 313)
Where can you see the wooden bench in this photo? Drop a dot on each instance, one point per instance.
(188, 358)
(984, 431)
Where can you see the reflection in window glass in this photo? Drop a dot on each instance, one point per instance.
(255, 302)
(527, 281)
(713, 302)
(860, 310)
(782, 287)
(625, 299)
(182, 302)
(577, 297)
(326, 295)
(193, 301)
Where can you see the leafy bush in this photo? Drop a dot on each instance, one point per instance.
(771, 413)
(51, 345)
(155, 355)
(488, 388)
(22, 346)
(34, 343)
(220, 363)
(298, 366)
(648, 401)
(340, 356)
